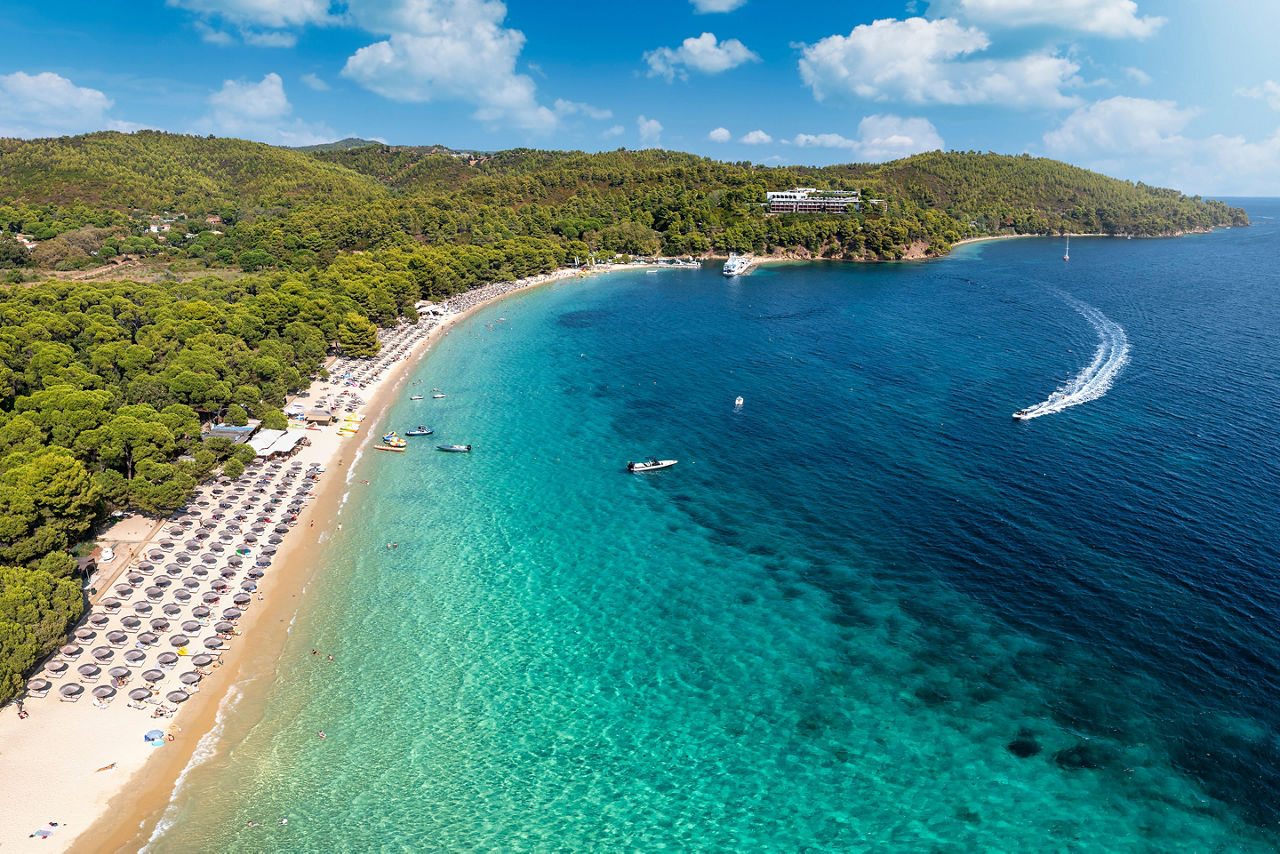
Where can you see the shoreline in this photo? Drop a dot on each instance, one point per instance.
(56, 749)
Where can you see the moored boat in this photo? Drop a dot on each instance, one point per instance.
(455, 449)
(438, 395)
(420, 431)
(736, 265)
(415, 397)
(650, 464)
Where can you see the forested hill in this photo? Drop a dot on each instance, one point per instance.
(155, 171)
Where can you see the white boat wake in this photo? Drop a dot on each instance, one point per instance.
(1097, 377)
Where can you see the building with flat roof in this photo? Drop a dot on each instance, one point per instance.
(812, 200)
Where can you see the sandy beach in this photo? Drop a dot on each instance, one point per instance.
(81, 775)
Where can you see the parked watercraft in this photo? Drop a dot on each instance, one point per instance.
(456, 449)
(650, 464)
(420, 431)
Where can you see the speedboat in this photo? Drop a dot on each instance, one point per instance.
(650, 464)
(438, 395)
(415, 397)
(1022, 414)
(421, 431)
(737, 402)
(455, 449)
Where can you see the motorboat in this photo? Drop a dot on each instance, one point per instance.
(650, 464)
(737, 402)
(455, 449)
(1022, 414)
(737, 264)
(420, 431)
(415, 397)
(438, 395)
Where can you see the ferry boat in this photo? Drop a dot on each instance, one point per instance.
(650, 464)
(737, 264)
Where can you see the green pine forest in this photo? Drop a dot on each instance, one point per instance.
(290, 256)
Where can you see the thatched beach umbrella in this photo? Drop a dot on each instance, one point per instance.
(214, 643)
(70, 692)
(98, 621)
(148, 638)
(152, 675)
(183, 560)
(224, 628)
(171, 569)
(89, 672)
(182, 595)
(192, 545)
(155, 594)
(85, 634)
(177, 696)
(135, 579)
(124, 591)
(131, 624)
(70, 651)
(164, 582)
(160, 624)
(204, 534)
(135, 657)
(167, 660)
(228, 573)
(179, 640)
(174, 531)
(171, 610)
(231, 613)
(190, 626)
(117, 638)
(210, 598)
(139, 694)
(219, 586)
(200, 612)
(111, 604)
(103, 653)
(105, 693)
(143, 609)
(120, 674)
(263, 560)
(201, 660)
(208, 559)
(269, 550)
(248, 585)
(235, 560)
(242, 599)
(255, 572)
(38, 687)
(146, 567)
(200, 572)
(191, 582)
(56, 669)
(189, 678)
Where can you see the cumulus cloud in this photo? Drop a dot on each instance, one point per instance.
(650, 130)
(1110, 18)
(611, 132)
(48, 104)
(263, 13)
(447, 50)
(704, 54)
(1269, 91)
(1146, 139)
(259, 111)
(920, 61)
(879, 138)
(314, 82)
(570, 108)
(756, 137)
(705, 6)
(269, 38)
(1137, 75)
(720, 135)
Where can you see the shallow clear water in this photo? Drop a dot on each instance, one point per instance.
(868, 609)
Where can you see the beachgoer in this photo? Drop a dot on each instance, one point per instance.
(331, 658)
(322, 735)
(255, 824)
(106, 767)
(284, 821)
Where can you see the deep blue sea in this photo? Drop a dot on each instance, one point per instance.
(867, 610)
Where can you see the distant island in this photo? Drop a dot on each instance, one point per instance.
(160, 283)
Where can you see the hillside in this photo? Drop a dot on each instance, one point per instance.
(156, 171)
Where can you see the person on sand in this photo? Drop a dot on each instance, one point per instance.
(106, 767)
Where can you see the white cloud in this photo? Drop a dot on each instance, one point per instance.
(1111, 18)
(48, 104)
(263, 13)
(756, 137)
(268, 38)
(879, 138)
(569, 108)
(650, 130)
(706, 6)
(720, 135)
(314, 82)
(450, 50)
(212, 36)
(702, 54)
(261, 112)
(1137, 75)
(927, 62)
(611, 132)
(1145, 140)
(1269, 91)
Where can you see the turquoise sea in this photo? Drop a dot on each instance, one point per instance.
(867, 611)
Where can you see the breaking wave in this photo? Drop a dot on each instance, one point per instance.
(1096, 378)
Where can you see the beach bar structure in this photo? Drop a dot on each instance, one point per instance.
(273, 444)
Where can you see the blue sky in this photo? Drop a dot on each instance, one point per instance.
(1181, 93)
